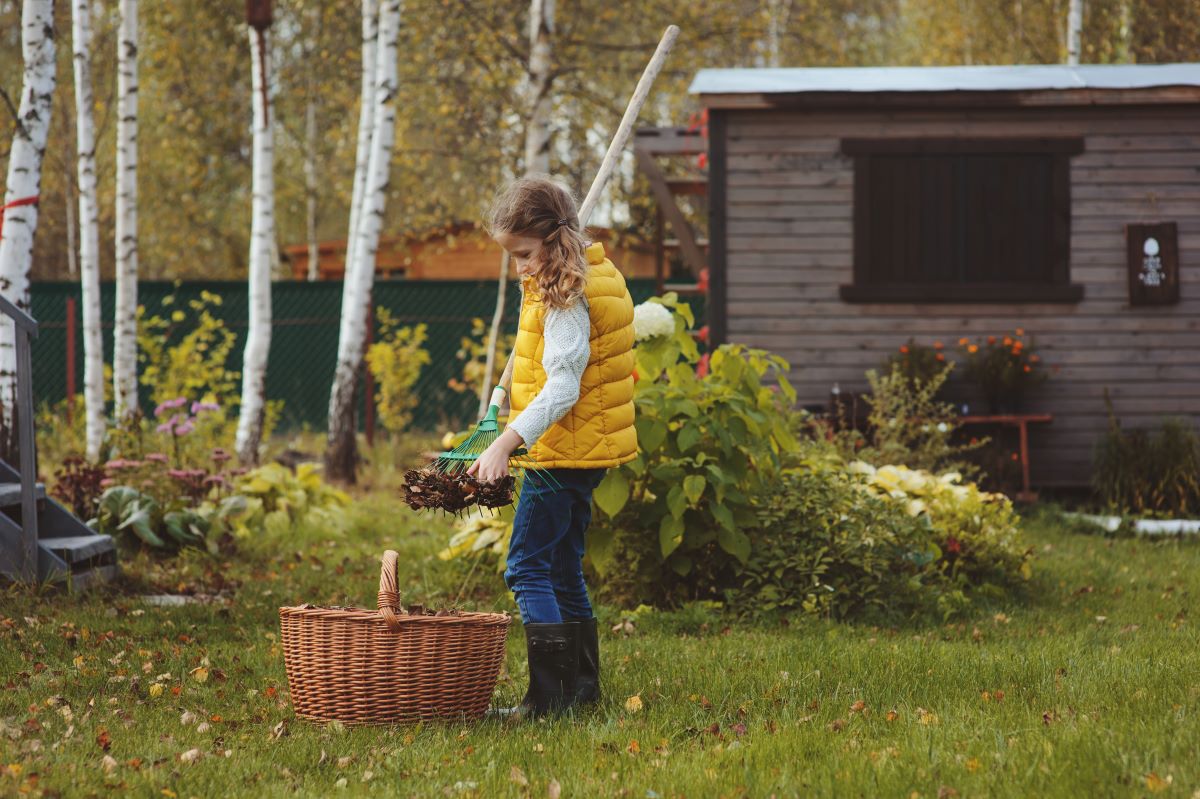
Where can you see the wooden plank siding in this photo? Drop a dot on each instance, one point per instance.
(788, 221)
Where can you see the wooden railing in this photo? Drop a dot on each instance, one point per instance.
(26, 330)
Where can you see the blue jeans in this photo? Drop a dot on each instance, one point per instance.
(545, 555)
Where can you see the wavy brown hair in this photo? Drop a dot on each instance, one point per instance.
(541, 208)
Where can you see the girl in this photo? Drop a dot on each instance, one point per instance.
(570, 386)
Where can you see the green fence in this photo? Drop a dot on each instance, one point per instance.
(304, 337)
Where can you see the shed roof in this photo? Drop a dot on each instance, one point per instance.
(1022, 77)
(998, 86)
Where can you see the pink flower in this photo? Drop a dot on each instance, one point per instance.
(107, 482)
(185, 428)
(157, 457)
(120, 463)
(166, 426)
(219, 455)
(201, 407)
(178, 474)
(169, 405)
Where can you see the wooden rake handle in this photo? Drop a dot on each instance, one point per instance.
(621, 137)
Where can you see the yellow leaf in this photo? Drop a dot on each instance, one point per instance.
(78, 661)
(199, 674)
(973, 764)
(156, 689)
(633, 704)
(1157, 784)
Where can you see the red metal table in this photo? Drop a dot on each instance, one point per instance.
(1021, 421)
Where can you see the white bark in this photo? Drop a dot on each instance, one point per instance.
(311, 186)
(89, 228)
(356, 293)
(537, 128)
(366, 119)
(1074, 29)
(537, 158)
(24, 182)
(262, 253)
(125, 326)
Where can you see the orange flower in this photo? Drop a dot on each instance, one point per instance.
(940, 357)
(937, 345)
(974, 348)
(962, 342)
(1020, 331)
(1018, 346)
(1008, 341)
(1028, 368)
(1015, 457)
(1034, 358)
(904, 350)
(991, 339)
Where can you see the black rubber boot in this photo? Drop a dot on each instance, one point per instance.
(553, 669)
(587, 640)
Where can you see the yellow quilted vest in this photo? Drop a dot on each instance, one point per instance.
(598, 431)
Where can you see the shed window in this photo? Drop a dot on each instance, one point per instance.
(962, 220)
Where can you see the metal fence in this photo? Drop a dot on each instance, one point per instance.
(304, 337)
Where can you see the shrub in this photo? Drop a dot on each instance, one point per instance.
(472, 352)
(1141, 473)
(836, 541)
(395, 362)
(708, 447)
(908, 425)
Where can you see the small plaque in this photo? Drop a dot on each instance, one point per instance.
(1153, 253)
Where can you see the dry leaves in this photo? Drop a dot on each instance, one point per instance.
(633, 704)
(554, 789)
(517, 776)
(190, 756)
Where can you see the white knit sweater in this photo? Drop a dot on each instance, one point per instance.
(564, 358)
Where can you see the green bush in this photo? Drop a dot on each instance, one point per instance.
(679, 514)
(856, 541)
(1149, 474)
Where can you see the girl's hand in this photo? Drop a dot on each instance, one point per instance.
(493, 463)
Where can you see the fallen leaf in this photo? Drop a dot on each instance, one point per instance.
(892, 715)
(190, 756)
(972, 764)
(109, 764)
(946, 792)
(739, 728)
(203, 727)
(156, 689)
(279, 730)
(926, 717)
(554, 789)
(837, 725)
(998, 696)
(1157, 784)
(341, 783)
(713, 729)
(343, 762)
(633, 704)
(633, 747)
(858, 707)
(516, 775)
(103, 740)
(188, 718)
(199, 674)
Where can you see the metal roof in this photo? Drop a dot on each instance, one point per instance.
(1026, 77)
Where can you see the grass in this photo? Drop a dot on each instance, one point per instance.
(1091, 687)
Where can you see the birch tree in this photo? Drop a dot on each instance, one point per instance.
(537, 157)
(341, 449)
(366, 119)
(89, 228)
(22, 189)
(125, 392)
(1074, 28)
(262, 240)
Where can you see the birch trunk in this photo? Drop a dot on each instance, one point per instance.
(366, 119)
(1074, 29)
(537, 158)
(310, 186)
(22, 188)
(341, 451)
(262, 254)
(89, 228)
(125, 393)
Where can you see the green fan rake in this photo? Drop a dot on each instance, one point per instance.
(445, 483)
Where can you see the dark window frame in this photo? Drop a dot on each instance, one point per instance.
(866, 288)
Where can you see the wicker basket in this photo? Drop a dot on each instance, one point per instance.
(363, 666)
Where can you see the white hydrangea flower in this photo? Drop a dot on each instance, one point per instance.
(651, 319)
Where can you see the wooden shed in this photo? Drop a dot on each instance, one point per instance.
(460, 251)
(853, 208)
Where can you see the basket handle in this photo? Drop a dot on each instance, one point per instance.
(389, 590)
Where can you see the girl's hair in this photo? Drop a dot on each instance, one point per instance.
(541, 208)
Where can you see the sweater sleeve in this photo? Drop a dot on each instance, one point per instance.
(564, 357)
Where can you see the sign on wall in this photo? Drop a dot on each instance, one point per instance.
(1153, 253)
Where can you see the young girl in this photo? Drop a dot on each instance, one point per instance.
(570, 387)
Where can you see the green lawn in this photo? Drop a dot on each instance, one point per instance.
(1090, 687)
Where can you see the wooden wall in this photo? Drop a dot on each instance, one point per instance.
(788, 246)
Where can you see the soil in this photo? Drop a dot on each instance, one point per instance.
(429, 488)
